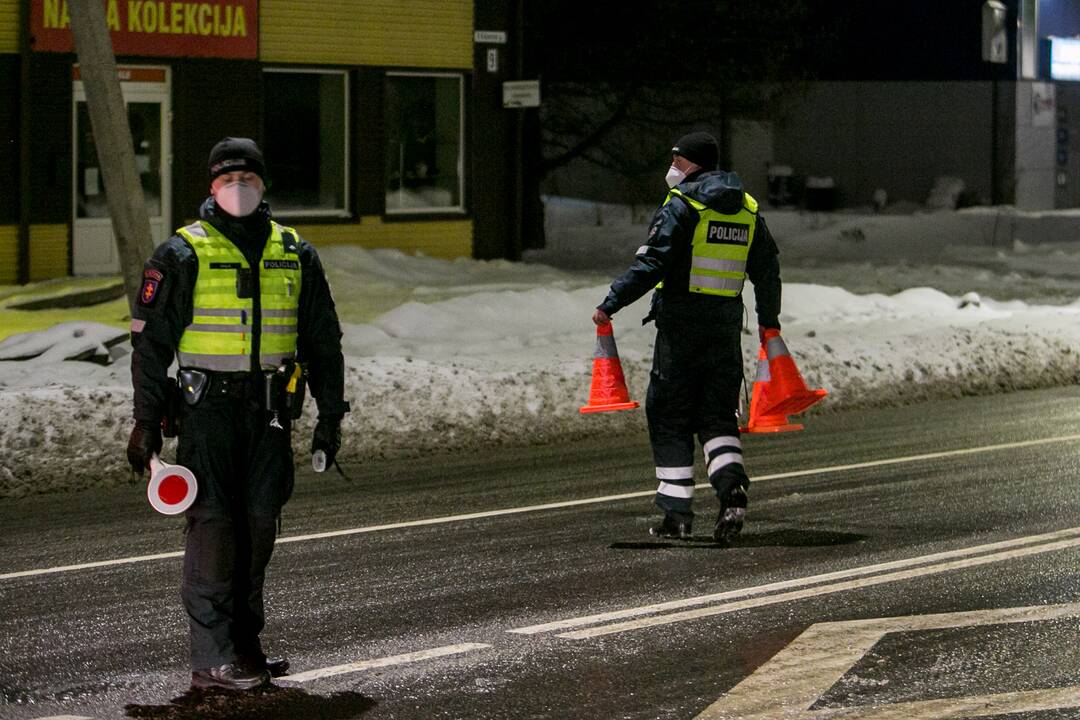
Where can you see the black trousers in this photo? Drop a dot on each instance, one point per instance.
(244, 468)
(694, 391)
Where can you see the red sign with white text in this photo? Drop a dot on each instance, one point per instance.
(160, 28)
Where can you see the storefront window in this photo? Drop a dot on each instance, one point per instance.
(307, 141)
(424, 153)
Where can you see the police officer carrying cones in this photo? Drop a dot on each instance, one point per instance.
(243, 305)
(704, 241)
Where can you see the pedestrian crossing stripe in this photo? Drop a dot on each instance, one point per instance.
(792, 681)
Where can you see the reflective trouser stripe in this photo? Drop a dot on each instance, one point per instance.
(719, 442)
(722, 460)
(605, 347)
(679, 491)
(713, 282)
(642, 250)
(681, 483)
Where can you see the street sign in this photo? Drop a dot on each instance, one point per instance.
(521, 93)
(495, 37)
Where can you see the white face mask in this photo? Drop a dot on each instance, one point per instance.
(238, 198)
(674, 176)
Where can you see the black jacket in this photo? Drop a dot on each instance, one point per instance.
(667, 253)
(164, 310)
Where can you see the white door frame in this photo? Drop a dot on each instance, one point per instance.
(93, 247)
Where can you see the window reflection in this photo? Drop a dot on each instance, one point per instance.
(424, 145)
(307, 144)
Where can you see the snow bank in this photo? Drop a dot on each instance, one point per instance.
(460, 356)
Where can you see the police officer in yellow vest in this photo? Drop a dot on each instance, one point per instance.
(240, 302)
(703, 242)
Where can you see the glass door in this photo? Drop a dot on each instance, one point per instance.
(93, 244)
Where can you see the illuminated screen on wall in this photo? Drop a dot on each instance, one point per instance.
(1064, 58)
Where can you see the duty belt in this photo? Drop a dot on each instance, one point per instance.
(236, 385)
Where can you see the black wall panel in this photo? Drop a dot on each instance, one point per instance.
(212, 99)
(368, 141)
(9, 135)
(50, 137)
(492, 141)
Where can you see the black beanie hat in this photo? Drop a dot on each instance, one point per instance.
(699, 148)
(236, 154)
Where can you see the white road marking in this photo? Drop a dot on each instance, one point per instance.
(820, 590)
(918, 458)
(89, 565)
(979, 706)
(382, 662)
(795, 582)
(798, 675)
(553, 505)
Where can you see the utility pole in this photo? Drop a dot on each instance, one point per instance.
(112, 136)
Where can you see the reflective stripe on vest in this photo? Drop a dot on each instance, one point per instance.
(720, 247)
(220, 336)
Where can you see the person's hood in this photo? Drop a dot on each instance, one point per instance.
(720, 191)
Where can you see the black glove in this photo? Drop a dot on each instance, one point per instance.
(327, 437)
(145, 440)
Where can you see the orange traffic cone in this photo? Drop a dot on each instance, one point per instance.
(608, 391)
(779, 389)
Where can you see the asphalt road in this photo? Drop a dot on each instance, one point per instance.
(917, 562)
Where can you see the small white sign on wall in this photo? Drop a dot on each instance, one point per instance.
(495, 37)
(1043, 112)
(521, 93)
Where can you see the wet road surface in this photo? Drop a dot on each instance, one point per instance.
(917, 562)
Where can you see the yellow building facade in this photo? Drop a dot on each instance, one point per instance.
(368, 112)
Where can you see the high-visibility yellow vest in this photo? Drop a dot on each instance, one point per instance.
(221, 336)
(720, 247)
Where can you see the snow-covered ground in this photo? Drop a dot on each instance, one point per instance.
(462, 355)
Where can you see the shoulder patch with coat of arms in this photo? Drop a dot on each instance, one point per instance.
(152, 278)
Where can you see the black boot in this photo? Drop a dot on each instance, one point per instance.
(233, 676)
(732, 514)
(673, 528)
(276, 666)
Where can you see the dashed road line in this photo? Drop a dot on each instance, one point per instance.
(827, 470)
(383, 662)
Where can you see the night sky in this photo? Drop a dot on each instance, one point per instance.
(775, 39)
